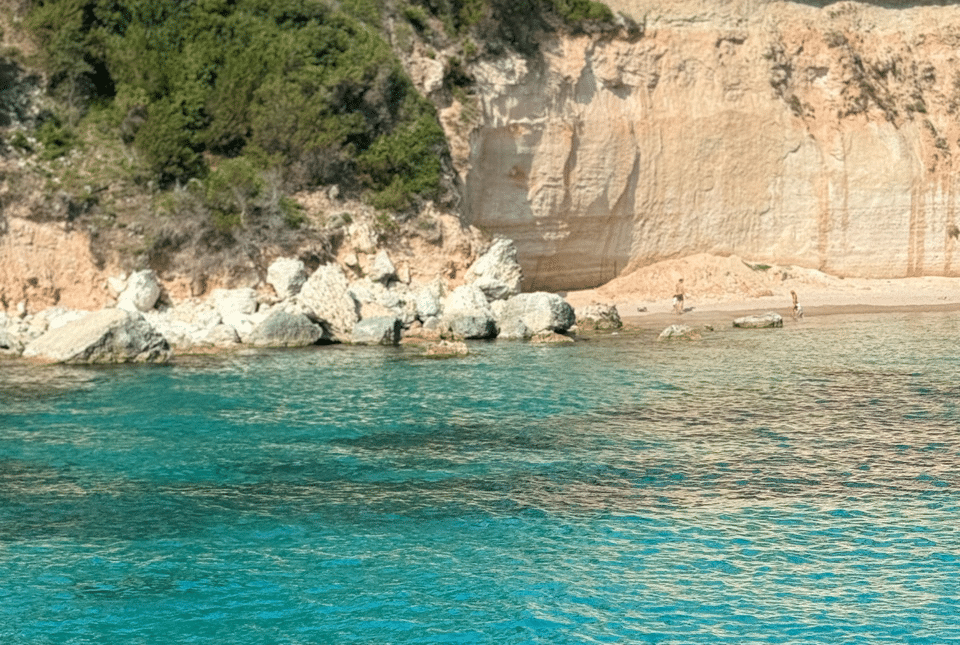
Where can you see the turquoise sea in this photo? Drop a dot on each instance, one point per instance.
(758, 486)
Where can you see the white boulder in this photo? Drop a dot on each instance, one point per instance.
(527, 314)
(497, 272)
(326, 295)
(286, 276)
(105, 336)
(141, 292)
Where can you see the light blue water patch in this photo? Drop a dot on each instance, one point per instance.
(758, 486)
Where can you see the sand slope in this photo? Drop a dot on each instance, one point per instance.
(717, 287)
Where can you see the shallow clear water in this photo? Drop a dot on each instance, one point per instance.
(758, 486)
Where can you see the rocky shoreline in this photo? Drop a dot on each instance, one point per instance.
(302, 308)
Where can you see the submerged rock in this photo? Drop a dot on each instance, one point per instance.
(679, 332)
(551, 337)
(105, 336)
(447, 348)
(759, 321)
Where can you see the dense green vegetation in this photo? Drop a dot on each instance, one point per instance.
(293, 84)
(308, 92)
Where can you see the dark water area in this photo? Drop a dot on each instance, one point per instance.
(758, 486)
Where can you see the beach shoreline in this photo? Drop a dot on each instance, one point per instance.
(828, 296)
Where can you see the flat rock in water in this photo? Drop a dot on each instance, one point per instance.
(681, 332)
(105, 336)
(284, 329)
(551, 337)
(759, 321)
(446, 348)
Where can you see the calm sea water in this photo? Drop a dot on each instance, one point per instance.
(758, 486)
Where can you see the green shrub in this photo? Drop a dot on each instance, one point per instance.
(417, 17)
(579, 10)
(20, 142)
(405, 163)
(293, 215)
(231, 191)
(166, 141)
(57, 139)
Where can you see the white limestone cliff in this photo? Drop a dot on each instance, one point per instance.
(820, 136)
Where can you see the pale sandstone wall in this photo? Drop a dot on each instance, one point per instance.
(43, 265)
(782, 132)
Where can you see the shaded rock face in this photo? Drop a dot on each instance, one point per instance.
(467, 314)
(379, 330)
(283, 329)
(105, 336)
(10, 344)
(812, 134)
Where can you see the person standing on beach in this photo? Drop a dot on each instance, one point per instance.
(678, 297)
(797, 309)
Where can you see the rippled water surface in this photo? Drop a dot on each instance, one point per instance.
(758, 486)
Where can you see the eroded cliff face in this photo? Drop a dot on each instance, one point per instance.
(821, 136)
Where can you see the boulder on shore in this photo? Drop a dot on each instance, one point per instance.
(467, 314)
(286, 276)
(382, 270)
(141, 293)
(759, 321)
(497, 272)
(326, 294)
(105, 336)
(10, 344)
(379, 330)
(285, 329)
(528, 314)
(599, 317)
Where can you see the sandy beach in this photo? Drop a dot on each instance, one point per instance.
(719, 289)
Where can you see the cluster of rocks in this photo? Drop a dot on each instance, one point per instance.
(754, 321)
(304, 308)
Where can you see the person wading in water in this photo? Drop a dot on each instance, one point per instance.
(797, 309)
(678, 297)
